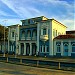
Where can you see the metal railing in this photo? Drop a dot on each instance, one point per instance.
(41, 63)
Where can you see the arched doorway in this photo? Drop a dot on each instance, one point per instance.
(27, 49)
(34, 34)
(22, 48)
(34, 49)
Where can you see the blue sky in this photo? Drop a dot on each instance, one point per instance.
(15, 10)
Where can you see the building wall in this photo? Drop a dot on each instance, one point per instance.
(44, 40)
(50, 25)
(13, 37)
(58, 28)
(67, 47)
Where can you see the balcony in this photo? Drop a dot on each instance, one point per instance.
(28, 38)
(44, 37)
(22, 38)
(34, 38)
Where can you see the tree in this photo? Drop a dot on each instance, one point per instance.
(2, 32)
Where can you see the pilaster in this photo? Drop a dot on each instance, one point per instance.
(55, 49)
(62, 48)
(8, 39)
(69, 49)
(24, 49)
(30, 49)
(38, 39)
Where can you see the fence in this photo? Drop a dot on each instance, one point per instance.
(41, 63)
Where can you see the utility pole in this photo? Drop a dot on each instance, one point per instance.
(4, 39)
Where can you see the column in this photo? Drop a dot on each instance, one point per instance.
(55, 47)
(62, 50)
(8, 39)
(8, 44)
(69, 48)
(36, 48)
(47, 31)
(38, 28)
(41, 31)
(25, 34)
(30, 49)
(19, 49)
(24, 49)
(31, 34)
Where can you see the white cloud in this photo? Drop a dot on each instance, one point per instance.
(10, 22)
(26, 9)
(69, 23)
(22, 9)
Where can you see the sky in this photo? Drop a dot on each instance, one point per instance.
(12, 11)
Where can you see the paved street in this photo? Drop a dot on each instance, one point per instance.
(12, 69)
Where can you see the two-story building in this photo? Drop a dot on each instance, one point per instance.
(39, 36)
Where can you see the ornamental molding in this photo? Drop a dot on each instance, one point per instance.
(44, 25)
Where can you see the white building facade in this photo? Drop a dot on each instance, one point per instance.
(38, 36)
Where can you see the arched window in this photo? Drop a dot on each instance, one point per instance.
(73, 47)
(28, 33)
(34, 33)
(13, 34)
(54, 34)
(23, 33)
(66, 47)
(58, 48)
(44, 31)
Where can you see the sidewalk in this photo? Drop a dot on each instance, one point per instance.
(62, 59)
(12, 69)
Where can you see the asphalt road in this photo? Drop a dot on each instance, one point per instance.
(13, 69)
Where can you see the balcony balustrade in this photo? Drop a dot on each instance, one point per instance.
(44, 37)
(22, 38)
(34, 38)
(28, 38)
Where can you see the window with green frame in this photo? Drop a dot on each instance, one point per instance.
(73, 47)
(58, 48)
(41, 48)
(13, 34)
(44, 31)
(66, 47)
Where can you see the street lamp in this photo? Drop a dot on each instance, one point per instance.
(4, 38)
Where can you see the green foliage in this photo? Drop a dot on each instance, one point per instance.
(2, 32)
